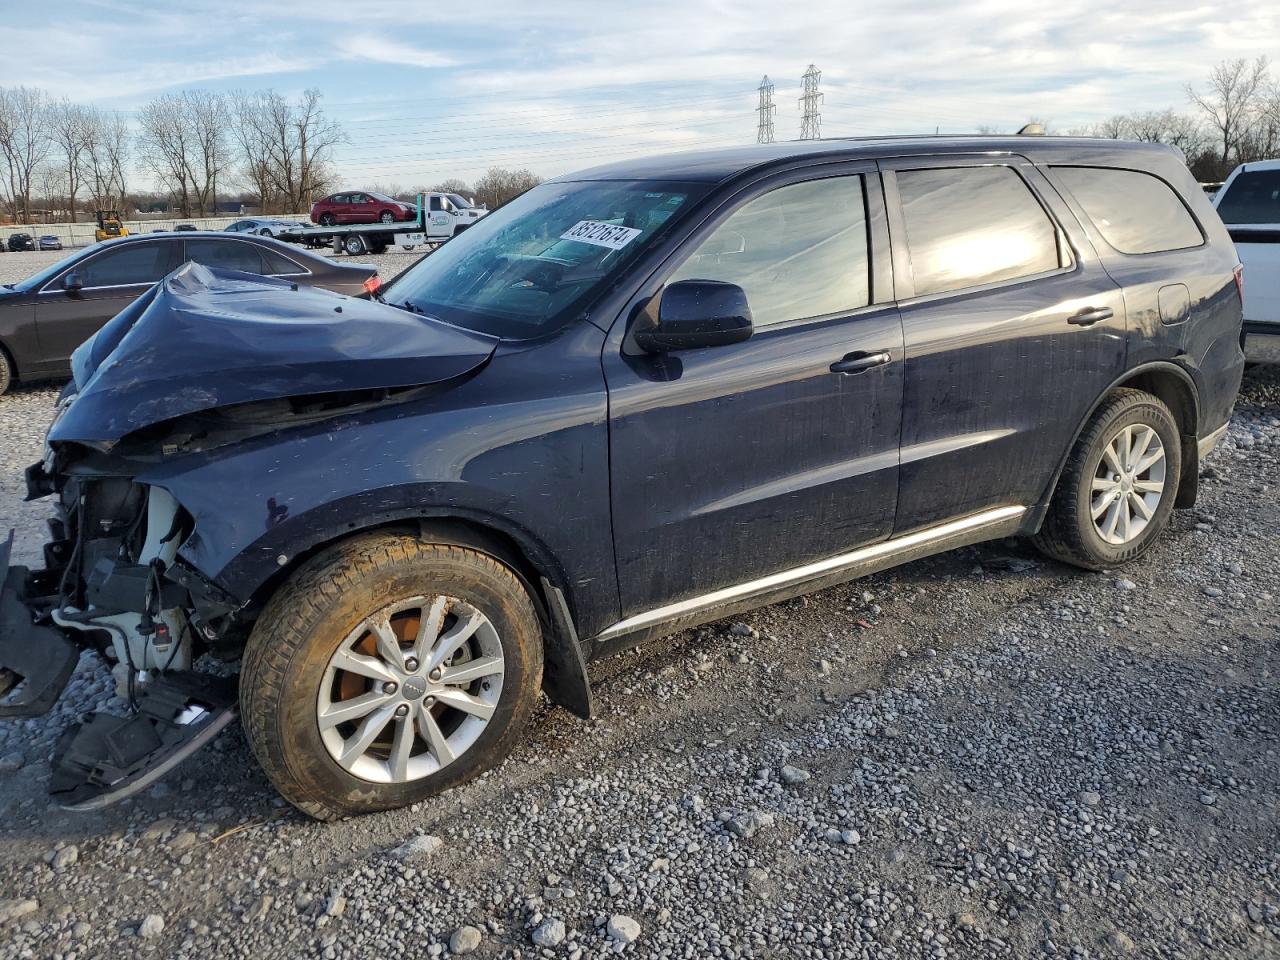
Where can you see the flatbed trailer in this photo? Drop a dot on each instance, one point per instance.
(432, 228)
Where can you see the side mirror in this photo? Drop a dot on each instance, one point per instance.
(72, 282)
(695, 313)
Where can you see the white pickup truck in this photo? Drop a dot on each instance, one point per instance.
(1249, 204)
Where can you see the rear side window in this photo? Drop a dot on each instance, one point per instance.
(968, 226)
(1135, 212)
(225, 255)
(799, 251)
(276, 265)
(1253, 197)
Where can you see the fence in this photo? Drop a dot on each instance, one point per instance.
(81, 234)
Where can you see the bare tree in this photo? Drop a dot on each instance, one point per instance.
(499, 185)
(183, 140)
(105, 158)
(1231, 104)
(285, 148)
(69, 129)
(25, 143)
(166, 145)
(452, 185)
(210, 119)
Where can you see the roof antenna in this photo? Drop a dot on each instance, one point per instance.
(1032, 129)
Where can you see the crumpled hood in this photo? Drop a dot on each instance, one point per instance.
(202, 339)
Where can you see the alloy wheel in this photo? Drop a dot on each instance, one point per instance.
(1128, 484)
(410, 689)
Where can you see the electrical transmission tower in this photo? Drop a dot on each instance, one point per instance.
(810, 104)
(766, 109)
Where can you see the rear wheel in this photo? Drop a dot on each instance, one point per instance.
(387, 670)
(6, 372)
(1117, 491)
(353, 245)
(327, 220)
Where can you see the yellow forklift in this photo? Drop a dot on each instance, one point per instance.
(109, 226)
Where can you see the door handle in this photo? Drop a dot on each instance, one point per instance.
(1090, 315)
(857, 362)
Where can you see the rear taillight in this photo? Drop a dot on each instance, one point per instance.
(372, 285)
(1239, 275)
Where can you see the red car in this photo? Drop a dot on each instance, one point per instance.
(361, 207)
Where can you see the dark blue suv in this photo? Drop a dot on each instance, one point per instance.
(631, 400)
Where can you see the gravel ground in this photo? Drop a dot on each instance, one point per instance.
(983, 754)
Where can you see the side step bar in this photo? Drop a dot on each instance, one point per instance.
(987, 525)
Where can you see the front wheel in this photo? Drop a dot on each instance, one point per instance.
(6, 372)
(387, 217)
(1118, 488)
(387, 670)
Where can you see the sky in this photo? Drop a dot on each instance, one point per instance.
(427, 91)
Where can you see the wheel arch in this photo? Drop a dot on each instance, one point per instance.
(1174, 386)
(565, 679)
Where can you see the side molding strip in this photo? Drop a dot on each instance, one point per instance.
(877, 551)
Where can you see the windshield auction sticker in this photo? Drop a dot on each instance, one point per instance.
(601, 234)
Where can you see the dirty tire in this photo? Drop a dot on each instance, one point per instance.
(7, 379)
(309, 617)
(1068, 532)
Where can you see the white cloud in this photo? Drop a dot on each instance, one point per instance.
(376, 49)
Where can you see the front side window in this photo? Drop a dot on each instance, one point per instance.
(225, 255)
(798, 251)
(968, 226)
(538, 262)
(1252, 197)
(135, 263)
(1135, 212)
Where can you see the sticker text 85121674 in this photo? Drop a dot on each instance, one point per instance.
(601, 234)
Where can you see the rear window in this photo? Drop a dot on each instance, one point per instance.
(1253, 197)
(968, 226)
(1135, 212)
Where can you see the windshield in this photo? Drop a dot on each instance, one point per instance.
(1253, 197)
(530, 267)
(383, 197)
(458, 201)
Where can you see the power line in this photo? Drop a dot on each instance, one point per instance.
(810, 105)
(766, 109)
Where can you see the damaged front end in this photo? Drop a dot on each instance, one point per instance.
(204, 362)
(109, 585)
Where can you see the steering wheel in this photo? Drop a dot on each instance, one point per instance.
(544, 275)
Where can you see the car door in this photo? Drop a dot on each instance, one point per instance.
(734, 462)
(1012, 330)
(361, 209)
(111, 279)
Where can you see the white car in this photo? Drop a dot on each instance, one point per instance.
(1249, 204)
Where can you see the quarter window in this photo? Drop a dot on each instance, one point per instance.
(798, 251)
(135, 263)
(1135, 212)
(968, 226)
